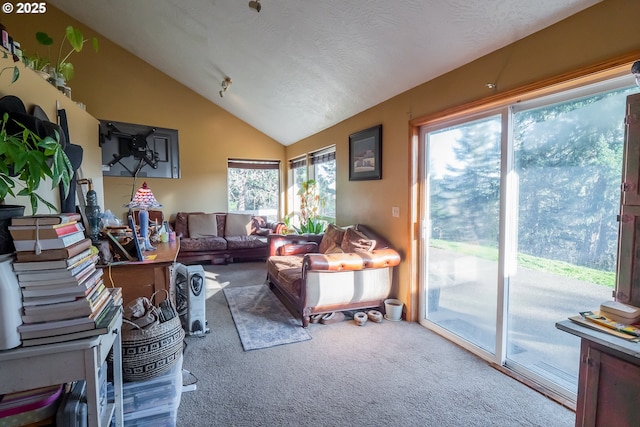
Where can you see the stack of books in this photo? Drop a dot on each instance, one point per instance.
(63, 293)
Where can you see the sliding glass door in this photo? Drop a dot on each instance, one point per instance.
(519, 226)
(463, 167)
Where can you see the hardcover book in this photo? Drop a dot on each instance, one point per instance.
(46, 219)
(79, 303)
(33, 232)
(65, 288)
(46, 244)
(30, 327)
(59, 273)
(35, 279)
(51, 265)
(70, 313)
(104, 325)
(54, 254)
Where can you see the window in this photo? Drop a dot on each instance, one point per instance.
(519, 209)
(254, 187)
(297, 175)
(323, 171)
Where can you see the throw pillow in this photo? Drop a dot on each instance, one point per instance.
(332, 238)
(203, 225)
(238, 225)
(355, 241)
(334, 250)
(258, 223)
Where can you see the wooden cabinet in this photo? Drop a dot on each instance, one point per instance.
(628, 269)
(608, 387)
(609, 379)
(143, 279)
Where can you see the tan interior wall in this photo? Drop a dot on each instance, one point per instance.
(34, 90)
(116, 85)
(605, 31)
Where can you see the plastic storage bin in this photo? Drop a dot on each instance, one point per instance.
(31, 406)
(152, 402)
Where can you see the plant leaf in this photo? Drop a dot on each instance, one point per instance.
(16, 74)
(44, 39)
(94, 42)
(75, 38)
(67, 70)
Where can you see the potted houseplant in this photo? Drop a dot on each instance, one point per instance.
(63, 71)
(39, 64)
(26, 159)
(310, 203)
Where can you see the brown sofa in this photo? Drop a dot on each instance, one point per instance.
(342, 269)
(222, 237)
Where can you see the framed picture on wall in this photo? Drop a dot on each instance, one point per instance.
(365, 154)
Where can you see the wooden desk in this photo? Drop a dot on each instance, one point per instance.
(143, 278)
(25, 368)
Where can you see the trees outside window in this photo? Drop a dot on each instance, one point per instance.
(254, 187)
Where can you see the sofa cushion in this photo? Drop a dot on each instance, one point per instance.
(246, 242)
(181, 226)
(334, 250)
(203, 244)
(238, 224)
(355, 241)
(203, 225)
(287, 270)
(331, 239)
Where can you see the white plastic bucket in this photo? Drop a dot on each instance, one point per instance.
(393, 309)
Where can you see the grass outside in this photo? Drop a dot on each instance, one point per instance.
(561, 268)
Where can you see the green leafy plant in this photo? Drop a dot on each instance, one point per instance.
(76, 40)
(36, 62)
(310, 204)
(16, 72)
(26, 160)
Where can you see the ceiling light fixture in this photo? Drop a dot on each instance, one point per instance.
(255, 4)
(225, 85)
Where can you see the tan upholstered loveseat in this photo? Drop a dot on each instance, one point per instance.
(222, 237)
(343, 269)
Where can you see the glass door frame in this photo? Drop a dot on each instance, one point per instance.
(508, 218)
(424, 227)
(507, 246)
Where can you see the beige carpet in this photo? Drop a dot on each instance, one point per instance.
(387, 374)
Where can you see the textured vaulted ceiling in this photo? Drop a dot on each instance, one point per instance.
(301, 66)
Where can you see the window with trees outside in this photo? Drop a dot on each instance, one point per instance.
(254, 187)
(323, 171)
(319, 167)
(519, 211)
(297, 175)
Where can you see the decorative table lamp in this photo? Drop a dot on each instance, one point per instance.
(143, 200)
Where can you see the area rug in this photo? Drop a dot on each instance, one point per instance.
(261, 319)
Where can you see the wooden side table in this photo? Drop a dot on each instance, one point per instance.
(25, 368)
(144, 278)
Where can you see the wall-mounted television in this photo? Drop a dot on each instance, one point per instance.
(130, 149)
